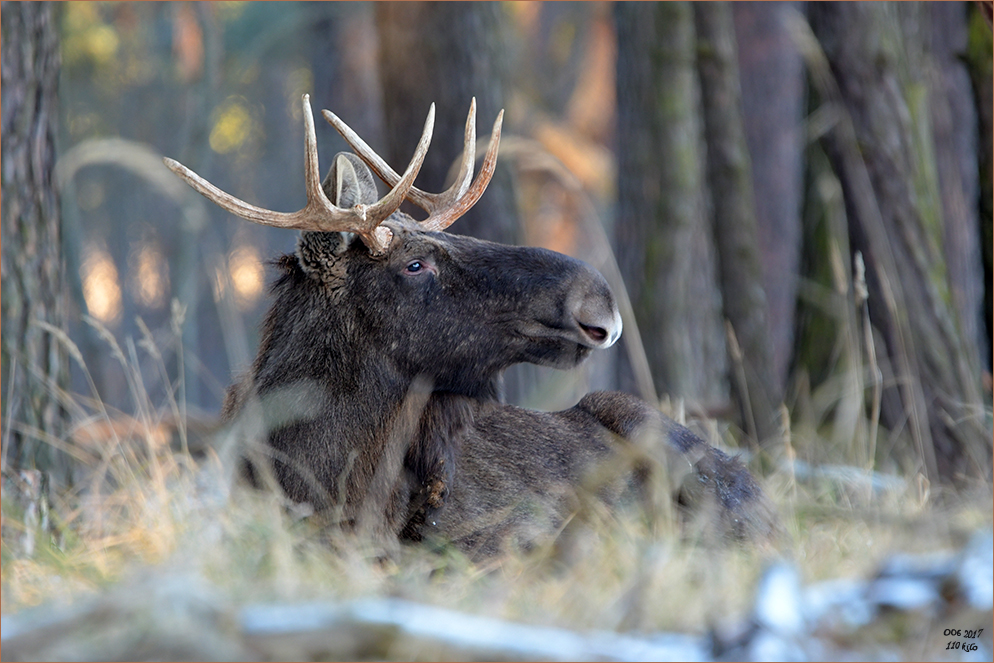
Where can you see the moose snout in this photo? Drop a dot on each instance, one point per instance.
(601, 330)
(596, 313)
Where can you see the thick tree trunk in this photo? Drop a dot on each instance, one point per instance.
(883, 150)
(664, 242)
(730, 182)
(773, 104)
(35, 366)
(979, 61)
(346, 74)
(954, 126)
(446, 53)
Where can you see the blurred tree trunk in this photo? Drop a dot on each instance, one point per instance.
(446, 53)
(979, 60)
(664, 242)
(35, 365)
(729, 179)
(773, 104)
(954, 126)
(882, 148)
(344, 62)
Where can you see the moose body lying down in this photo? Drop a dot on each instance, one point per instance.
(378, 376)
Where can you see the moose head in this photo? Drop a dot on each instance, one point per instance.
(402, 289)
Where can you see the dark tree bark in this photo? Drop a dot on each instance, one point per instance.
(446, 53)
(664, 242)
(729, 179)
(35, 366)
(883, 151)
(979, 60)
(773, 97)
(954, 126)
(346, 74)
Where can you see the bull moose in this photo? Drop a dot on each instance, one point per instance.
(378, 375)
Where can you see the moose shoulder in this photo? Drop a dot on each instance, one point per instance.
(379, 368)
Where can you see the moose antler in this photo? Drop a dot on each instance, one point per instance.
(443, 208)
(320, 214)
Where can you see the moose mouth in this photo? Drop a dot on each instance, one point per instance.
(597, 334)
(587, 334)
(560, 346)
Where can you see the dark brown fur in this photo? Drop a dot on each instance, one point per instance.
(381, 390)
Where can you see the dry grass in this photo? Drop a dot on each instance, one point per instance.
(255, 549)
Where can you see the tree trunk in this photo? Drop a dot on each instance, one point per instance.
(883, 150)
(979, 59)
(35, 366)
(729, 179)
(773, 104)
(446, 53)
(664, 242)
(954, 126)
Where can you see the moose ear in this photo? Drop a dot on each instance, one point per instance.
(349, 182)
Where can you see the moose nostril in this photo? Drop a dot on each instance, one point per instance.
(596, 334)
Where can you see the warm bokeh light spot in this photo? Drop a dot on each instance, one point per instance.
(101, 285)
(247, 275)
(150, 276)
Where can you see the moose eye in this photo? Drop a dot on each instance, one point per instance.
(420, 266)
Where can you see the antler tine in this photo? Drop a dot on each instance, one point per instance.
(465, 176)
(443, 208)
(372, 159)
(300, 220)
(444, 217)
(320, 214)
(402, 188)
(228, 202)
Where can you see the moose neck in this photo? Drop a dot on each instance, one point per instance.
(306, 345)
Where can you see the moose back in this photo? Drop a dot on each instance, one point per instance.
(377, 379)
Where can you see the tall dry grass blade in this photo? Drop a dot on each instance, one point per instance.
(75, 353)
(144, 407)
(149, 345)
(849, 422)
(790, 456)
(735, 350)
(176, 318)
(137, 395)
(862, 294)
